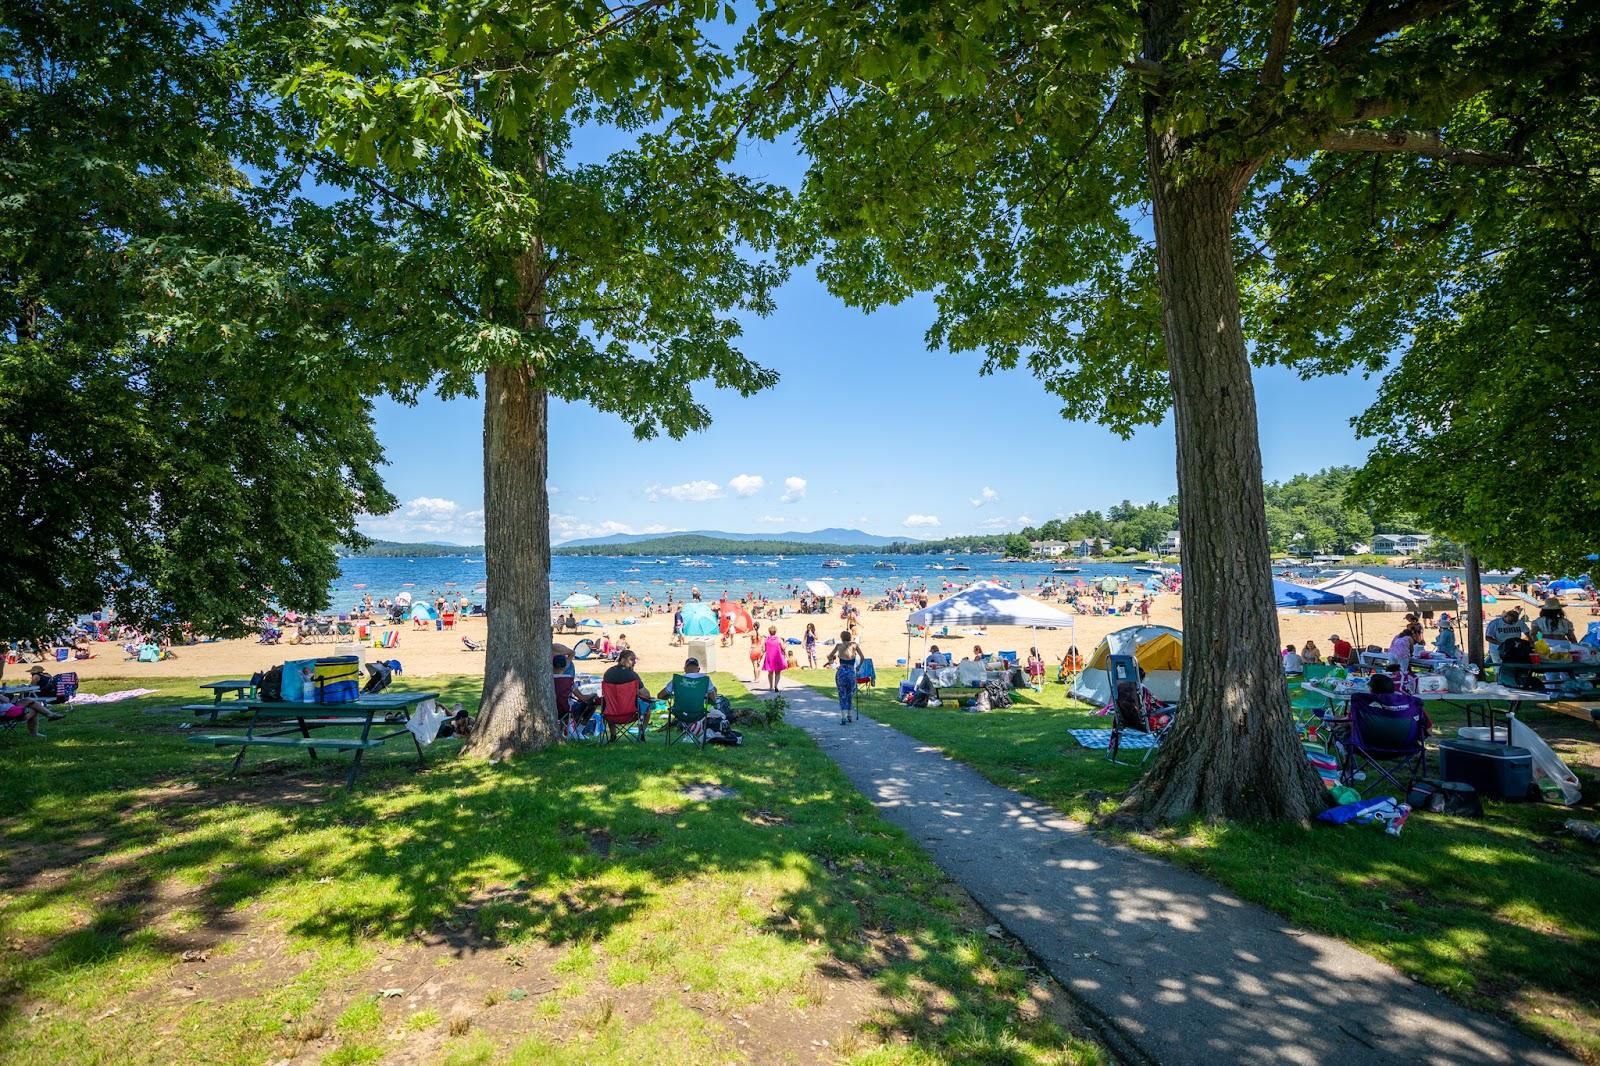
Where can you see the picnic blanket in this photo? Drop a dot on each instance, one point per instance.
(1325, 764)
(1100, 739)
(111, 697)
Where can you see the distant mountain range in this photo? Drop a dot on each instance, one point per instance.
(831, 537)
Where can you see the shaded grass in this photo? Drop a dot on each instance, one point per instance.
(1498, 912)
(579, 906)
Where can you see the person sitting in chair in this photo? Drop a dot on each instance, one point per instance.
(28, 710)
(623, 673)
(936, 658)
(691, 672)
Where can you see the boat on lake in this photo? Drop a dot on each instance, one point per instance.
(882, 564)
(833, 564)
(1066, 569)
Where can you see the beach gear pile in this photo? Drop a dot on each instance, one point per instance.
(1384, 810)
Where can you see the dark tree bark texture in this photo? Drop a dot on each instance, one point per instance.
(518, 712)
(1233, 751)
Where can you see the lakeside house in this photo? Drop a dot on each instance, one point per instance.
(1171, 543)
(1049, 548)
(1399, 543)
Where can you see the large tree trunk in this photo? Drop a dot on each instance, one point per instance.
(1233, 751)
(518, 712)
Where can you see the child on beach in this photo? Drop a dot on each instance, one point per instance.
(1035, 669)
(811, 645)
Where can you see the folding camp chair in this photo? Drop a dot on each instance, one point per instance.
(1388, 734)
(66, 686)
(866, 674)
(687, 715)
(1157, 730)
(619, 706)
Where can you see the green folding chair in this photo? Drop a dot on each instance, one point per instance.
(687, 715)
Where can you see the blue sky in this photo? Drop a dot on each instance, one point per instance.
(867, 429)
(885, 436)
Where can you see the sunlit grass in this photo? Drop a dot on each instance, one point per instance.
(125, 847)
(1497, 911)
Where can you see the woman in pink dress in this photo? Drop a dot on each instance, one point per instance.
(774, 661)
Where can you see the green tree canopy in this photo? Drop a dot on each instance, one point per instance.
(1007, 158)
(172, 444)
(486, 245)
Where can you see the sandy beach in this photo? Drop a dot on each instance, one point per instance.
(427, 652)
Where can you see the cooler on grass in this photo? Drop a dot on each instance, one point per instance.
(1495, 770)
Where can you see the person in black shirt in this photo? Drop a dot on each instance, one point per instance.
(622, 673)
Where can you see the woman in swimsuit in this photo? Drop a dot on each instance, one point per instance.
(848, 654)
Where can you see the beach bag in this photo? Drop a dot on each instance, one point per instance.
(998, 695)
(269, 685)
(336, 680)
(1445, 797)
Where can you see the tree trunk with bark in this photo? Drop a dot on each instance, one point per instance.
(518, 711)
(1233, 751)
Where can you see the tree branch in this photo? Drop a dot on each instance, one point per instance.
(1412, 142)
(1278, 44)
(1376, 23)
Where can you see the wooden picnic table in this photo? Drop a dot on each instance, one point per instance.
(384, 708)
(19, 690)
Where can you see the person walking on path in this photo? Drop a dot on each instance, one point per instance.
(848, 654)
(775, 661)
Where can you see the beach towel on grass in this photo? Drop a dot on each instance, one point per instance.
(110, 697)
(1100, 739)
(1326, 766)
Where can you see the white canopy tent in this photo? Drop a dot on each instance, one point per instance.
(985, 603)
(1363, 594)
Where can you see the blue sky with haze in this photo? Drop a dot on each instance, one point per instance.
(866, 429)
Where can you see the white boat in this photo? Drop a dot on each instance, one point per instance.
(883, 565)
(833, 564)
(1066, 569)
(959, 566)
(741, 562)
(935, 566)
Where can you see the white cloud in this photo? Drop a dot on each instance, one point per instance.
(925, 520)
(427, 518)
(747, 484)
(997, 522)
(794, 488)
(1024, 520)
(775, 519)
(988, 495)
(688, 492)
(565, 527)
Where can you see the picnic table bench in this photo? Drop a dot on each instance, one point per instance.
(237, 686)
(382, 709)
(19, 690)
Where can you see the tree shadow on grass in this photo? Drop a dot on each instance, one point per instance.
(581, 844)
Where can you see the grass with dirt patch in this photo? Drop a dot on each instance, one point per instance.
(1499, 912)
(578, 905)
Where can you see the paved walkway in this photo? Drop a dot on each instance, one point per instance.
(1181, 968)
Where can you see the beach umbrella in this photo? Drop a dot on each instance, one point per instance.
(421, 610)
(699, 620)
(1567, 583)
(739, 620)
(590, 622)
(403, 600)
(580, 599)
(820, 588)
(1108, 584)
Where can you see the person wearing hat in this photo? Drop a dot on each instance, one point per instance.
(1553, 623)
(45, 683)
(1507, 627)
(1340, 649)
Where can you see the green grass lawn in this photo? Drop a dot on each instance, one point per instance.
(1503, 913)
(573, 906)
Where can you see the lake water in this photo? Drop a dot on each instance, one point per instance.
(605, 576)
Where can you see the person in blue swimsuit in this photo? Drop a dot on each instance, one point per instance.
(848, 654)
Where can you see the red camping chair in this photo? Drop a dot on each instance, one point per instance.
(620, 708)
